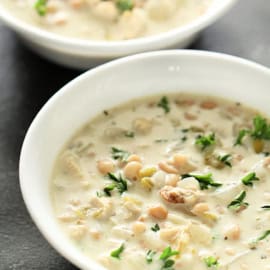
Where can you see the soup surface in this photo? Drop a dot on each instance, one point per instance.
(107, 20)
(173, 182)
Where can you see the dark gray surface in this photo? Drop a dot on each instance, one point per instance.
(27, 82)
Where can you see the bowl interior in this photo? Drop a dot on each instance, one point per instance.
(112, 84)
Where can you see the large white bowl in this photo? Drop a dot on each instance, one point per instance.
(86, 53)
(109, 85)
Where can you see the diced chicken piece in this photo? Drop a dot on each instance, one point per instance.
(138, 227)
(176, 195)
(169, 234)
(106, 10)
(142, 125)
(103, 208)
(77, 231)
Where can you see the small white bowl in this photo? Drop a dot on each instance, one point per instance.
(109, 85)
(83, 54)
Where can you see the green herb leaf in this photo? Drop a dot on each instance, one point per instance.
(261, 129)
(155, 228)
(107, 190)
(205, 141)
(263, 236)
(119, 154)
(124, 5)
(149, 256)
(249, 178)
(242, 133)
(164, 104)
(167, 253)
(116, 253)
(266, 207)
(165, 257)
(238, 203)
(168, 264)
(226, 159)
(120, 184)
(130, 134)
(41, 7)
(205, 180)
(211, 261)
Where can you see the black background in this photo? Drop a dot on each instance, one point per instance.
(26, 83)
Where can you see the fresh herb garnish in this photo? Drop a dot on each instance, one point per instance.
(99, 194)
(205, 141)
(165, 257)
(149, 256)
(164, 104)
(129, 134)
(238, 203)
(242, 133)
(205, 180)
(161, 141)
(41, 7)
(116, 253)
(119, 154)
(249, 178)
(226, 159)
(119, 183)
(211, 261)
(184, 138)
(266, 207)
(124, 5)
(155, 228)
(263, 236)
(261, 129)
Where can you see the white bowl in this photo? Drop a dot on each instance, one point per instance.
(112, 84)
(85, 53)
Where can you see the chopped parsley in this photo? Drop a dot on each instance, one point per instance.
(155, 228)
(266, 207)
(238, 203)
(205, 180)
(106, 113)
(249, 179)
(149, 256)
(161, 141)
(259, 131)
(263, 236)
(242, 133)
(164, 104)
(41, 7)
(129, 134)
(116, 253)
(118, 183)
(205, 141)
(119, 154)
(165, 256)
(124, 5)
(226, 159)
(211, 261)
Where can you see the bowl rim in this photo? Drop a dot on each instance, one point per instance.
(117, 46)
(71, 86)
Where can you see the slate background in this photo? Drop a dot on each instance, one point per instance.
(28, 81)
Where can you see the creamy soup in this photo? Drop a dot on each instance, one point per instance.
(173, 182)
(107, 20)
